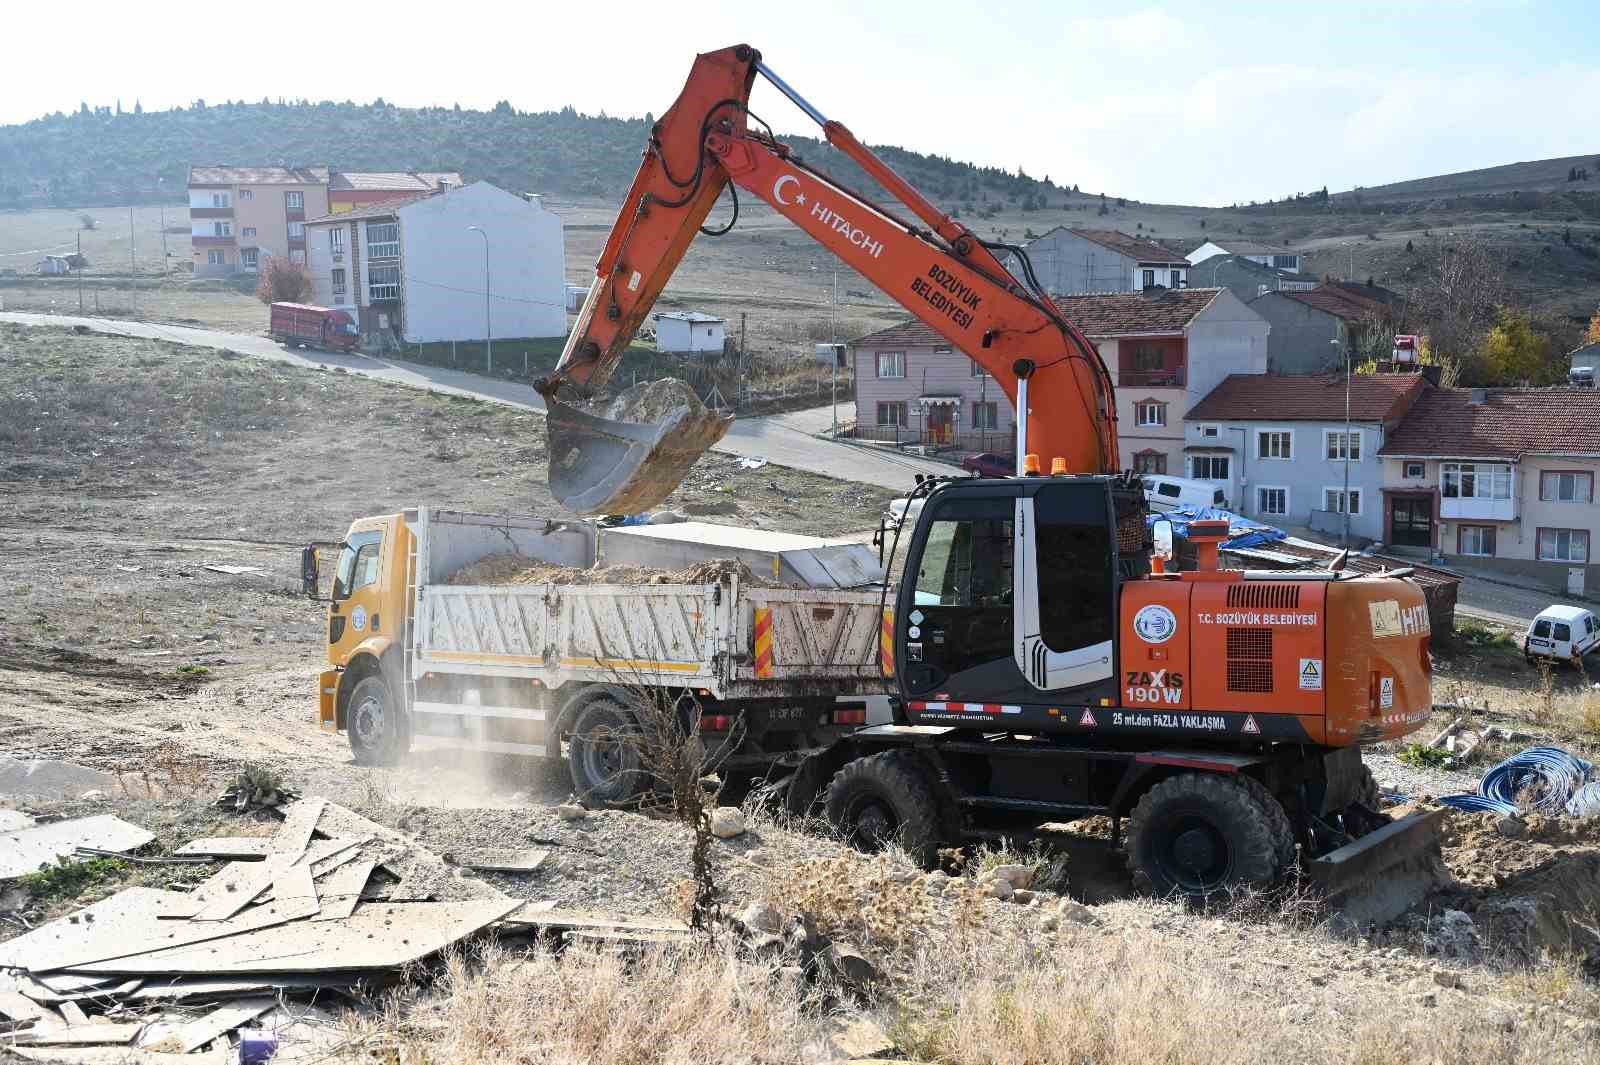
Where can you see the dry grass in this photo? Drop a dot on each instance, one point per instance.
(878, 903)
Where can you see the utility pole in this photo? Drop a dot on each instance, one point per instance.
(744, 377)
(133, 269)
(833, 351)
(80, 271)
(1347, 444)
(488, 328)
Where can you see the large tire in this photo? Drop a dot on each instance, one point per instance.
(374, 723)
(886, 798)
(1198, 834)
(603, 754)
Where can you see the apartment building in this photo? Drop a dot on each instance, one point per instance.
(349, 189)
(239, 215)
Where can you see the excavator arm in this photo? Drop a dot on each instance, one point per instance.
(943, 274)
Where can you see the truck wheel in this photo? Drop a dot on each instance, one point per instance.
(372, 721)
(886, 798)
(603, 754)
(1199, 833)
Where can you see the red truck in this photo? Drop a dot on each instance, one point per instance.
(319, 327)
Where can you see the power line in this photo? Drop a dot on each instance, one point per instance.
(479, 292)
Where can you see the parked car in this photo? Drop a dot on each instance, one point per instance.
(1165, 493)
(1566, 633)
(988, 464)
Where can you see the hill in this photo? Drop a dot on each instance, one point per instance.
(98, 156)
(1570, 173)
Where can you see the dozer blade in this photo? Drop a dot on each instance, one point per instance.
(605, 466)
(1384, 873)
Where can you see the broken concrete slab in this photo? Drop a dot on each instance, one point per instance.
(235, 848)
(80, 1035)
(50, 778)
(19, 1007)
(516, 860)
(341, 891)
(542, 915)
(294, 884)
(299, 821)
(73, 1013)
(25, 850)
(102, 988)
(12, 820)
(120, 1055)
(234, 889)
(182, 988)
(376, 936)
(219, 1022)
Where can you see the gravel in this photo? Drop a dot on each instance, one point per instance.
(1414, 782)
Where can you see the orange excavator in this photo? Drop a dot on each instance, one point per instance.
(1048, 664)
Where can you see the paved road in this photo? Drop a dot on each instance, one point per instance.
(1514, 606)
(784, 439)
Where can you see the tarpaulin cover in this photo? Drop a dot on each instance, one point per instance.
(1242, 532)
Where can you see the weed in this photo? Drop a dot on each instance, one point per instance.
(1424, 757)
(193, 670)
(67, 880)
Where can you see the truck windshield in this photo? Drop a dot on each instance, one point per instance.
(350, 575)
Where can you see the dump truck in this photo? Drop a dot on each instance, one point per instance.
(774, 648)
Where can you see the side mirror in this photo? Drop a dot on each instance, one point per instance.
(1163, 540)
(308, 571)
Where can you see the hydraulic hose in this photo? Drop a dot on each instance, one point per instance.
(1552, 779)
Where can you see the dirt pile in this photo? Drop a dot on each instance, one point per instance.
(649, 401)
(511, 568)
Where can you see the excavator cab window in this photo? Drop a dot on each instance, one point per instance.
(963, 589)
(1077, 593)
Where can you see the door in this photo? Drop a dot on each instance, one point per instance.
(354, 613)
(1575, 580)
(941, 423)
(960, 617)
(1066, 590)
(1411, 522)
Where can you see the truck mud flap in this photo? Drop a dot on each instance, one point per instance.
(1384, 873)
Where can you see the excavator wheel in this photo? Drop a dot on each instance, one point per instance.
(1198, 834)
(886, 798)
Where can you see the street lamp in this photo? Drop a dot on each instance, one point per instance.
(488, 329)
(1345, 503)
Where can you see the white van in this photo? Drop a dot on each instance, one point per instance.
(1164, 493)
(1562, 632)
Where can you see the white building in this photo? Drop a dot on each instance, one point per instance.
(412, 268)
(1266, 254)
(685, 332)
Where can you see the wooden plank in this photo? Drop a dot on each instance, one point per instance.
(376, 936)
(342, 891)
(235, 848)
(219, 1022)
(299, 821)
(517, 860)
(81, 1035)
(25, 850)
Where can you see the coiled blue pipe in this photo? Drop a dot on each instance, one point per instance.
(1553, 777)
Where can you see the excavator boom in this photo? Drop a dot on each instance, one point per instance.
(944, 275)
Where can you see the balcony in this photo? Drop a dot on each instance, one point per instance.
(211, 212)
(211, 241)
(1173, 378)
(1469, 508)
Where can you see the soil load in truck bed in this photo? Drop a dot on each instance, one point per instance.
(512, 568)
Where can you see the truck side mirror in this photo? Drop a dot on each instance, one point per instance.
(308, 571)
(1163, 540)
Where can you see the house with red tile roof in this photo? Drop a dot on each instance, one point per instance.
(1311, 329)
(1165, 350)
(1285, 451)
(349, 189)
(1072, 261)
(1499, 479)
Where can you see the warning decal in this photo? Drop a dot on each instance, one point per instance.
(1385, 692)
(1087, 720)
(1311, 674)
(1250, 725)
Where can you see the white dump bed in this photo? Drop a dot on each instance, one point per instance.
(730, 638)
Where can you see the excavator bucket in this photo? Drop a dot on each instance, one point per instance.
(1381, 875)
(601, 465)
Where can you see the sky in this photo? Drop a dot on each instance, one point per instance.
(1210, 103)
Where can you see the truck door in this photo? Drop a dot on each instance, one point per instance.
(355, 610)
(1066, 573)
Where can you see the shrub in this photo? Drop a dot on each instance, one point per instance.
(283, 281)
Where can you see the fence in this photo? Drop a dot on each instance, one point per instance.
(902, 435)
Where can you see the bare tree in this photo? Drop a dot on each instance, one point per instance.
(1460, 287)
(283, 281)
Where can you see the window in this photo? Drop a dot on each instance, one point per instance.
(246, 194)
(1274, 444)
(986, 415)
(1147, 356)
(1564, 545)
(336, 239)
(383, 283)
(297, 255)
(964, 579)
(977, 368)
(892, 414)
(1333, 500)
(1150, 462)
(1564, 487)
(248, 231)
(1169, 490)
(1475, 540)
(1475, 480)
(1286, 262)
(249, 257)
(222, 229)
(891, 364)
(1342, 446)
(1273, 501)
(1177, 279)
(1149, 278)
(294, 201)
(1150, 412)
(297, 231)
(1210, 432)
(338, 282)
(216, 257)
(383, 240)
(358, 564)
(219, 199)
(1209, 467)
(1416, 470)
